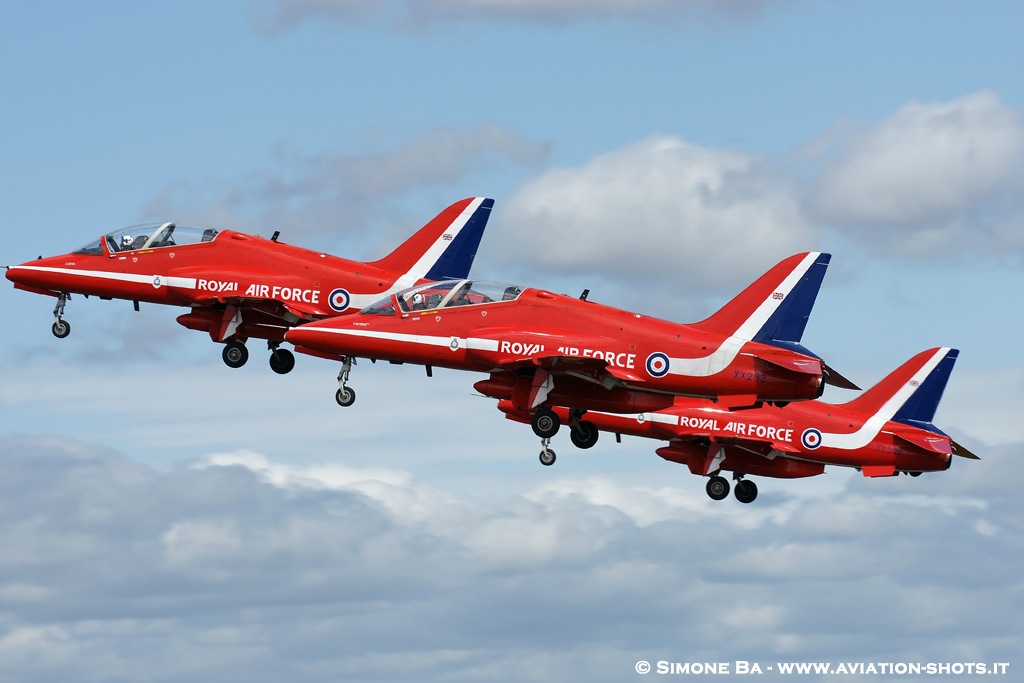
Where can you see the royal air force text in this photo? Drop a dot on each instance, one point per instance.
(309, 296)
(619, 360)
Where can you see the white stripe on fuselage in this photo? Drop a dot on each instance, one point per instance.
(472, 343)
(869, 430)
(720, 359)
(163, 281)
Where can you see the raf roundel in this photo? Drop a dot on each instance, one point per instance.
(811, 438)
(339, 300)
(657, 364)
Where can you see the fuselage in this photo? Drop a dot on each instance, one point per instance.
(796, 440)
(580, 342)
(283, 284)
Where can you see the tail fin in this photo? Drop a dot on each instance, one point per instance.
(775, 308)
(910, 393)
(445, 247)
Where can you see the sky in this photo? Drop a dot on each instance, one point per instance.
(165, 518)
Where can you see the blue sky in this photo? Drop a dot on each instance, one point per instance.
(165, 518)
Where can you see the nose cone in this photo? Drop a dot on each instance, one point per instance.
(309, 336)
(42, 274)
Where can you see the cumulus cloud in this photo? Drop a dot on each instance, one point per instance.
(660, 210)
(935, 177)
(236, 566)
(274, 16)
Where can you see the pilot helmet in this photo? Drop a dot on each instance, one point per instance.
(127, 240)
(417, 299)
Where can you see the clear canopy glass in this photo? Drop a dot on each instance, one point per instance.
(150, 236)
(432, 296)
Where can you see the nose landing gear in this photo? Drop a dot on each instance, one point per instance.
(61, 328)
(345, 396)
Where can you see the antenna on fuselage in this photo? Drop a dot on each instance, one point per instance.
(584, 295)
(277, 233)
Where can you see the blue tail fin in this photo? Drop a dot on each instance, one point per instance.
(456, 261)
(786, 324)
(910, 393)
(919, 409)
(445, 247)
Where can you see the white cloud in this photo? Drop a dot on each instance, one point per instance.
(242, 567)
(661, 207)
(933, 178)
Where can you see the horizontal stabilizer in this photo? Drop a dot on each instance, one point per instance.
(962, 451)
(833, 378)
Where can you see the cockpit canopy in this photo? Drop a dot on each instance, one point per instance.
(431, 296)
(149, 236)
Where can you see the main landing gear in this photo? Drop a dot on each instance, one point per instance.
(718, 488)
(236, 355)
(61, 328)
(545, 424)
(346, 395)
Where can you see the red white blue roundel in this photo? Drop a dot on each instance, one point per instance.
(339, 300)
(657, 364)
(811, 438)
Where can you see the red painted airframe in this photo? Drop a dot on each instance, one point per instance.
(543, 349)
(886, 430)
(241, 286)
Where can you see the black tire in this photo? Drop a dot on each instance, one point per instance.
(345, 397)
(547, 457)
(282, 361)
(746, 491)
(61, 329)
(717, 488)
(545, 423)
(235, 354)
(584, 435)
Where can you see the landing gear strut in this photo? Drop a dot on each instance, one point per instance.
(61, 328)
(345, 396)
(547, 456)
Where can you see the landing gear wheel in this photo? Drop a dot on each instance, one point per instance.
(547, 457)
(345, 397)
(235, 354)
(61, 329)
(545, 423)
(282, 361)
(746, 491)
(584, 435)
(718, 488)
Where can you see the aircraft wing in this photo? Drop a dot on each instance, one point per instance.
(596, 370)
(292, 312)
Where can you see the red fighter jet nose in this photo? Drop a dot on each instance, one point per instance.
(31, 278)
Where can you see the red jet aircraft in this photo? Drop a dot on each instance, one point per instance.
(240, 286)
(886, 430)
(543, 349)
